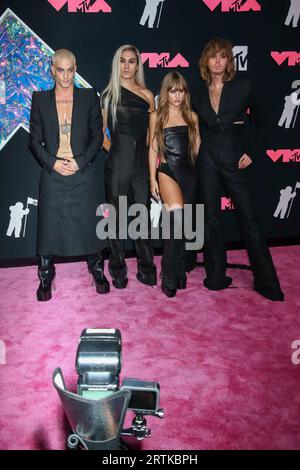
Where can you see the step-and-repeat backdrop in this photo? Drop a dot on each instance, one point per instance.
(170, 35)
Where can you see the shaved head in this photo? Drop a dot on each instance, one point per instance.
(63, 54)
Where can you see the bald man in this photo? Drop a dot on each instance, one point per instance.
(65, 137)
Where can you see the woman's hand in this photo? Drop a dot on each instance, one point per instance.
(106, 143)
(154, 189)
(244, 161)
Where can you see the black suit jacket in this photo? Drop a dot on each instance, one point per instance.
(237, 96)
(86, 130)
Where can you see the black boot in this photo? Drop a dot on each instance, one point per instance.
(173, 260)
(96, 268)
(116, 264)
(46, 273)
(180, 261)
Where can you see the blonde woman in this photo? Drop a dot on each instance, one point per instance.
(175, 140)
(126, 104)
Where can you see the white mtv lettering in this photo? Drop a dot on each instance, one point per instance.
(240, 54)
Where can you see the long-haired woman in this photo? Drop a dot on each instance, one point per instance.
(126, 104)
(175, 140)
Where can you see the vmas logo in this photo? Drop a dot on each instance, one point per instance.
(164, 60)
(233, 5)
(240, 55)
(284, 155)
(290, 58)
(82, 6)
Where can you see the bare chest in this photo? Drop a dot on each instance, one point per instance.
(64, 113)
(215, 98)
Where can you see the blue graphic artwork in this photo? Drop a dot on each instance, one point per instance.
(24, 67)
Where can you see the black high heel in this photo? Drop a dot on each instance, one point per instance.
(148, 280)
(226, 283)
(118, 282)
(167, 291)
(46, 273)
(99, 279)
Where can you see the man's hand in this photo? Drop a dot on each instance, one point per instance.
(64, 168)
(73, 165)
(244, 161)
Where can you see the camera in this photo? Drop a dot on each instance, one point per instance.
(98, 364)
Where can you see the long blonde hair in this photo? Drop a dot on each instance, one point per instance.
(111, 94)
(175, 80)
(210, 49)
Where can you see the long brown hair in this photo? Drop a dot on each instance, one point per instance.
(174, 80)
(210, 49)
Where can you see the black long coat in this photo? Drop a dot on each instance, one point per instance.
(67, 204)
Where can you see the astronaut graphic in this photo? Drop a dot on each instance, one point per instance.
(153, 8)
(17, 213)
(293, 14)
(288, 111)
(286, 200)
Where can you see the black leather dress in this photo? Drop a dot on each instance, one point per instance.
(127, 174)
(180, 168)
(178, 163)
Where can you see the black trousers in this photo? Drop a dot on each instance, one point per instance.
(218, 165)
(126, 175)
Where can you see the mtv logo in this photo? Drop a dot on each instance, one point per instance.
(292, 57)
(226, 204)
(83, 6)
(286, 155)
(240, 54)
(233, 5)
(163, 60)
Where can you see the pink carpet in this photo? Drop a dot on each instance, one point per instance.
(223, 359)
